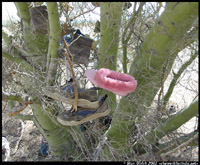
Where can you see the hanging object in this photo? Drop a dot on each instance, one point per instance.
(67, 39)
(67, 36)
(78, 33)
(116, 82)
(79, 46)
(88, 94)
(39, 20)
(83, 115)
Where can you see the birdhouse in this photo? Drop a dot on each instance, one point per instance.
(39, 20)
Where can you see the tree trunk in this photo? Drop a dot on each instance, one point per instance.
(156, 52)
(111, 14)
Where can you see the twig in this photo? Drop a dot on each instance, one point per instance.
(179, 147)
(24, 73)
(70, 62)
(166, 148)
(82, 14)
(98, 149)
(177, 76)
(163, 77)
(21, 109)
(67, 6)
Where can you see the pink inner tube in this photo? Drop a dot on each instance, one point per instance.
(116, 82)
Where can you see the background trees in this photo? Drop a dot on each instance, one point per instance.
(145, 42)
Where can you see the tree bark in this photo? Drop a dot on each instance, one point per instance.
(157, 48)
(111, 14)
(54, 41)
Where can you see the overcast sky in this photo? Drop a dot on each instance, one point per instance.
(8, 11)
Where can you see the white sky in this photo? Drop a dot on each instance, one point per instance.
(9, 10)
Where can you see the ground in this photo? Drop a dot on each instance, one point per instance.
(24, 139)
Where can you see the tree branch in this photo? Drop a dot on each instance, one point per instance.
(24, 117)
(180, 146)
(23, 13)
(11, 96)
(54, 40)
(71, 62)
(176, 77)
(20, 108)
(111, 14)
(171, 125)
(163, 148)
(126, 38)
(18, 60)
(82, 14)
(158, 46)
(6, 37)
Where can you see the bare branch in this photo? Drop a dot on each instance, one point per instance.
(176, 77)
(20, 109)
(18, 60)
(180, 146)
(82, 14)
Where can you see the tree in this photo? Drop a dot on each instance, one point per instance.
(155, 42)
